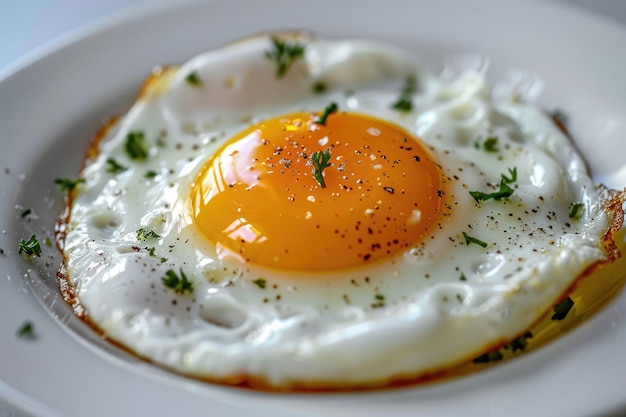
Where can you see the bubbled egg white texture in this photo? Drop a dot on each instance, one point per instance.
(478, 273)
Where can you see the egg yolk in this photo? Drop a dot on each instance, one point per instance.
(300, 193)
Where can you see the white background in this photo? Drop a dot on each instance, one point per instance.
(28, 24)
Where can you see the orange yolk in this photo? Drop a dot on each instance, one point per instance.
(259, 200)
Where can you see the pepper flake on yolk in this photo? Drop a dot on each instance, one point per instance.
(257, 198)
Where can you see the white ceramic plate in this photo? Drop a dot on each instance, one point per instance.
(51, 103)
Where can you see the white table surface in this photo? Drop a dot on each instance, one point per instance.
(27, 25)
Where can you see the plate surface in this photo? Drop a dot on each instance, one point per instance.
(52, 103)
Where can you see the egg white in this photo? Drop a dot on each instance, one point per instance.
(329, 329)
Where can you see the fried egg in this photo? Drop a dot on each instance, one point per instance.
(290, 212)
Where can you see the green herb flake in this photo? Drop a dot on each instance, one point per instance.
(576, 210)
(136, 146)
(319, 87)
(505, 191)
(405, 101)
(47, 241)
(330, 109)
(144, 234)
(260, 282)
(26, 213)
(180, 285)
(491, 144)
(30, 247)
(320, 163)
(512, 173)
(115, 167)
(518, 344)
(193, 79)
(284, 54)
(152, 251)
(163, 260)
(380, 301)
(403, 104)
(67, 184)
(26, 331)
(493, 356)
(150, 174)
(562, 309)
(462, 277)
(469, 239)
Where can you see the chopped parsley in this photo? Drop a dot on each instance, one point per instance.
(562, 309)
(330, 109)
(260, 282)
(284, 54)
(150, 174)
(504, 191)
(30, 247)
(576, 210)
(491, 144)
(136, 146)
(144, 234)
(193, 79)
(519, 343)
(180, 285)
(26, 331)
(319, 87)
(115, 167)
(492, 356)
(67, 184)
(320, 162)
(512, 173)
(405, 102)
(469, 239)
(380, 301)
(152, 251)
(462, 277)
